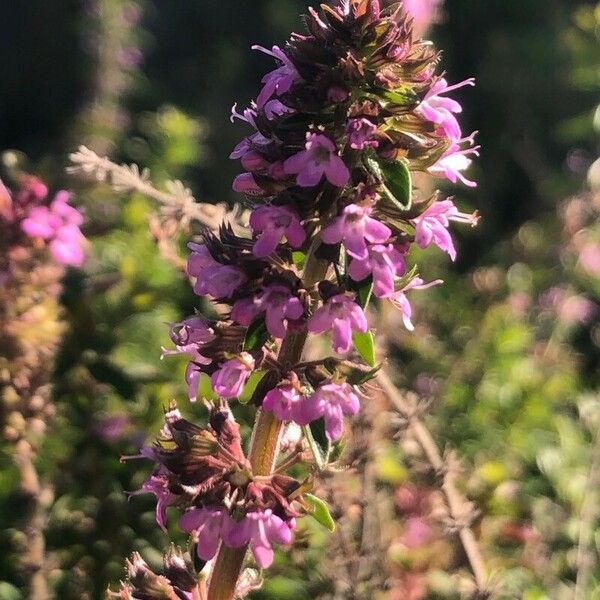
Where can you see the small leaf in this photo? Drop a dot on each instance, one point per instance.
(397, 180)
(363, 290)
(318, 443)
(256, 335)
(251, 385)
(365, 346)
(320, 512)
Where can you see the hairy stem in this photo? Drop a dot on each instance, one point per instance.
(454, 500)
(38, 498)
(264, 448)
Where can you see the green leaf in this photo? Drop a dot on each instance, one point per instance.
(395, 179)
(318, 443)
(365, 346)
(320, 512)
(256, 335)
(363, 290)
(251, 385)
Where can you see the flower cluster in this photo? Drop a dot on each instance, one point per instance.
(205, 471)
(54, 221)
(353, 108)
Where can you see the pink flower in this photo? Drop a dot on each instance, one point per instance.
(385, 263)
(424, 13)
(280, 80)
(454, 161)
(278, 304)
(441, 110)
(400, 300)
(274, 223)
(432, 226)
(59, 224)
(207, 525)
(260, 528)
(331, 401)
(283, 401)
(354, 227)
(213, 278)
(228, 381)
(360, 133)
(342, 316)
(320, 158)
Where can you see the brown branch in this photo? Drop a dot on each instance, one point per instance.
(454, 500)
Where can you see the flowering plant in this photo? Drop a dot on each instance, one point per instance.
(353, 108)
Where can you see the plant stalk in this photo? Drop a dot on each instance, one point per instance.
(264, 447)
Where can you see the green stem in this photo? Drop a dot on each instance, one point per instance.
(264, 447)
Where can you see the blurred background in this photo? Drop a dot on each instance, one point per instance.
(506, 352)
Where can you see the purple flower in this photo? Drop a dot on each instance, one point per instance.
(207, 524)
(278, 81)
(441, 110)
(260, 528)
(400, 300)
(355, 227)
(432, 226)
(331, 401)
(228, 381)
(278, 304)
(455, 160)
(284, 400)
(158, 485)
(189, 336)
(385, 263)
(274, 223)
(360, 133)
(342, 316)
(319, 158)
(220, 281)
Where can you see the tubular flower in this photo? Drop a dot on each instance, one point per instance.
(342, 316)
(355, 227)
(441, 110)
(207, 525)
(360, 134)
(275, 223)
(384, 263)
(277, 303)
(262, 529)
(213, 278)
(331, 401)
(432, 226)
(454, 161)
(278, 81)
(400, 301)
(319, 159)
(284, 400)
(228, 381)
